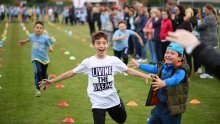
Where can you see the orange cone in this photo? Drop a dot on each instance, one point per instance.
(194, 101)
(83, 40)
(62, 49)
(68, 120)
(59, 86)
(63, 104)
(52, 76)
(132, 103)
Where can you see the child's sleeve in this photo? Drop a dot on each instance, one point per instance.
(119, 65)
(49, 42)
(116, 34)
(82, 67)
(131, 32)
(148, 68)
(176, 78)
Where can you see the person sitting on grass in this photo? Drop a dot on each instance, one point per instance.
(169, 90)
(40, 44)
(101, 70)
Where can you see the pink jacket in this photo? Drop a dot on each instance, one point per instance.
(148, 28)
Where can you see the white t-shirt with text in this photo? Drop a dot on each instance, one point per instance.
(101, 88)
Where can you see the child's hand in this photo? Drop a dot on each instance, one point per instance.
(133, 63)
(157, 83)
(44, 84)
(123, 37)
(21, 43)
(148, 78)
(50, 49)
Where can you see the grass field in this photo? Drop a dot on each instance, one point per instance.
(18, 105)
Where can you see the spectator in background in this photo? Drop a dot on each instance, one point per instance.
(187, 25)
(96, 16)
(177, 17)
(72, 14)
(132, 39)
(166, 26)
(195, 21)
(208, 33)
(140, 22)
(50, 14)
(148, 31)
(56, 15)
(156, 36)
(89, 18)
(37, 13)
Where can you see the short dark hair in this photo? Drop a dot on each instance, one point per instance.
(39, 22)
(98, 35)
(122, 21)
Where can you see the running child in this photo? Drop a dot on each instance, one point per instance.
(101, 70)
(120, 39)
(40, 43)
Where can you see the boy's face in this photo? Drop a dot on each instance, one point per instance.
(171, 57)
(38, 28)
(101, 46)
(122, 27)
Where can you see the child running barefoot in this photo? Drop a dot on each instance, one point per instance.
(169, 90)
(40, 44)
(101, 70)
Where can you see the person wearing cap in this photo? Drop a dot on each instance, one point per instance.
(169, 88)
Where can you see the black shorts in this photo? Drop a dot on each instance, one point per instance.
(117, 113)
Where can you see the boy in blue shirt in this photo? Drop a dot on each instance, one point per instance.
(169, 89)
(120, 39)
(40, 44)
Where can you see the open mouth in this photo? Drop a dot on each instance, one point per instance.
(101, 50)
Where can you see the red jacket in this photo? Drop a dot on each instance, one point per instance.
(166, 26)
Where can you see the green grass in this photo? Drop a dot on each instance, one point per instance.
(18, 105)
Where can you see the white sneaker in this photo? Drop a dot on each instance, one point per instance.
(139, 60)
(38, 93)
(203, 76)
(125, 74)
(209, 76)
(142, 60)
(199, 71)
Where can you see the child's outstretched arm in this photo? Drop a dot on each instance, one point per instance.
(144, 67)
(134, 72)
(117, 38)
(23, 42)
(46, 83)
(139, 38)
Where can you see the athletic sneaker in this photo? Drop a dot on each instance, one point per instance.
(38, 93)
(204, 75)
(125, 74)
(142, 60)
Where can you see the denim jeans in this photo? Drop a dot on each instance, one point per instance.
(152, 47)
(164, 119)
(143, 48)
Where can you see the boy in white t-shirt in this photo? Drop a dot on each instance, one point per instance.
(101, 69)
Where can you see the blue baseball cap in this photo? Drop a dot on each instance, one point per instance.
(176, 47)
